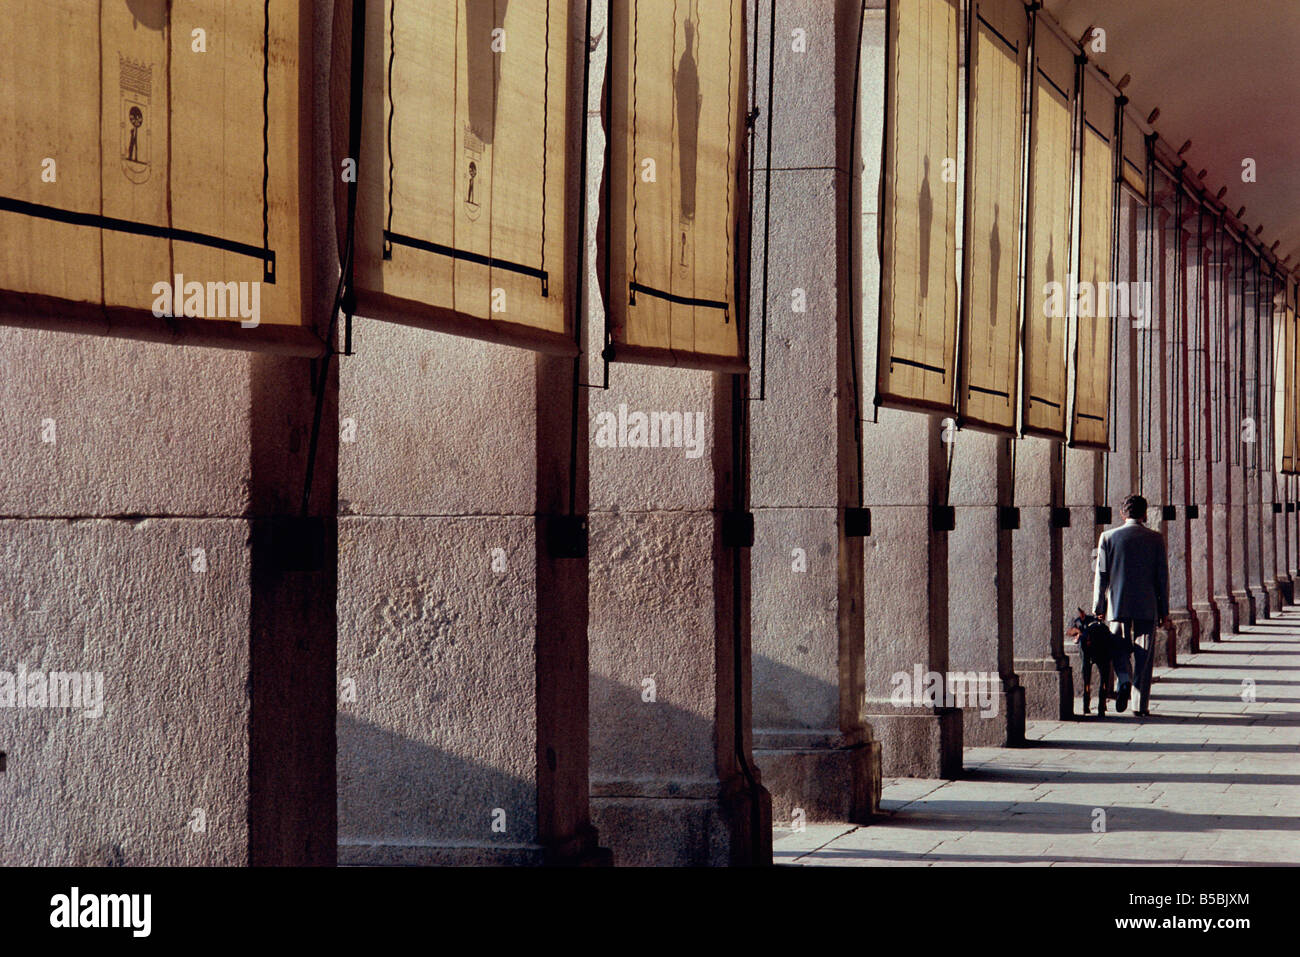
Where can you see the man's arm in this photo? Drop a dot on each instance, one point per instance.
(1101, 580)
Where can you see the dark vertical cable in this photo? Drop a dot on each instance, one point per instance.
(546, 139)
(1174, 426)
(767, 196)
(1112, 392)
(580, 301)
(636, 232)
(1149, 325)
(266, 139)
(392, 52)
(344, 297)
(855, 185)
(1201, 386)
(751, 118)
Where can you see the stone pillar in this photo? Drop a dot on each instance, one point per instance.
(454, 749)
(462, 634)
(1201, 489)
(126, 487)
(1292, 519)
(1236, 410)
(981, 609)
(1219, 440)
(1252, 438)
(293, 616)
(673, 778)
(153, 542)
(1292, 513)
(1040, 659)
(1271, 505)
(1155, 406)
(816, 752)
(905, 561)
(1083, 493)
(1175, 388)
(906, 593)
(1284, 535)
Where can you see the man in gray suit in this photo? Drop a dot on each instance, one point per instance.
(1131, 592)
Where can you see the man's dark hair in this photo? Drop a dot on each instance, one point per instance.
(1135, 506)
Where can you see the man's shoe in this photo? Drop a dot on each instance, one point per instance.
(1121, 699)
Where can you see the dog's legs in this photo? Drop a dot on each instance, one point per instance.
(1087, 684)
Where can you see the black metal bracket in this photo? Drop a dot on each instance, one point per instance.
(1193, 512)
(1060, 517)
(1103, 515)
(1290, 506)
(737, 529)
(1169, 513)
(1277, 508)
(566, 536)
(299, 544)
(857, 523)
(943, 518)
(1008, 518)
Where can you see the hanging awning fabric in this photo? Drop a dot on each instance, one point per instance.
(1133, 165)
(466, 191)
(1090, 420)
(1287, 454)
(676, 140)
(1283, 389)
(990, 327)
(1047, 235)
(917, 343)
(151, 172)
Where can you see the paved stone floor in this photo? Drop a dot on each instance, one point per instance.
(1210, 778)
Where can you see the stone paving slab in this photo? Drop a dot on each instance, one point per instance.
(1211, 778)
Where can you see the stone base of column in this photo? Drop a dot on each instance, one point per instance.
(441, 855)
(917, 742)
(1285, 596)
(1000, 724)
(582, 851)
(1207, 621)
(1273, 595)
(1229, 617)
(1244, 600)
(1264, 607)
(821, 773)
(1048, 688)
(667, 823)
(1186, 633)
(1166, 647)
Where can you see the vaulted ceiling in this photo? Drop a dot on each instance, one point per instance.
(1224, 74)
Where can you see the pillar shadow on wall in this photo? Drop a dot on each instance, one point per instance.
(656, 795)
(403, 801)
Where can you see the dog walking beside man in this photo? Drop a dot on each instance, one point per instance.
(1131, 594)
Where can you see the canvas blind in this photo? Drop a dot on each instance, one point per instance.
(1048, 230)
(1288, 458)
(917, 343)
(676, 140)
(151, 167)
(1090, 418)
(990, 328)
(465, 178)
(1283, 371)
(1133, 165)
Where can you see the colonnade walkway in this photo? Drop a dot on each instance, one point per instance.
(1210, 778)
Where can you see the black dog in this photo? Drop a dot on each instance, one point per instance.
(1096, 647)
